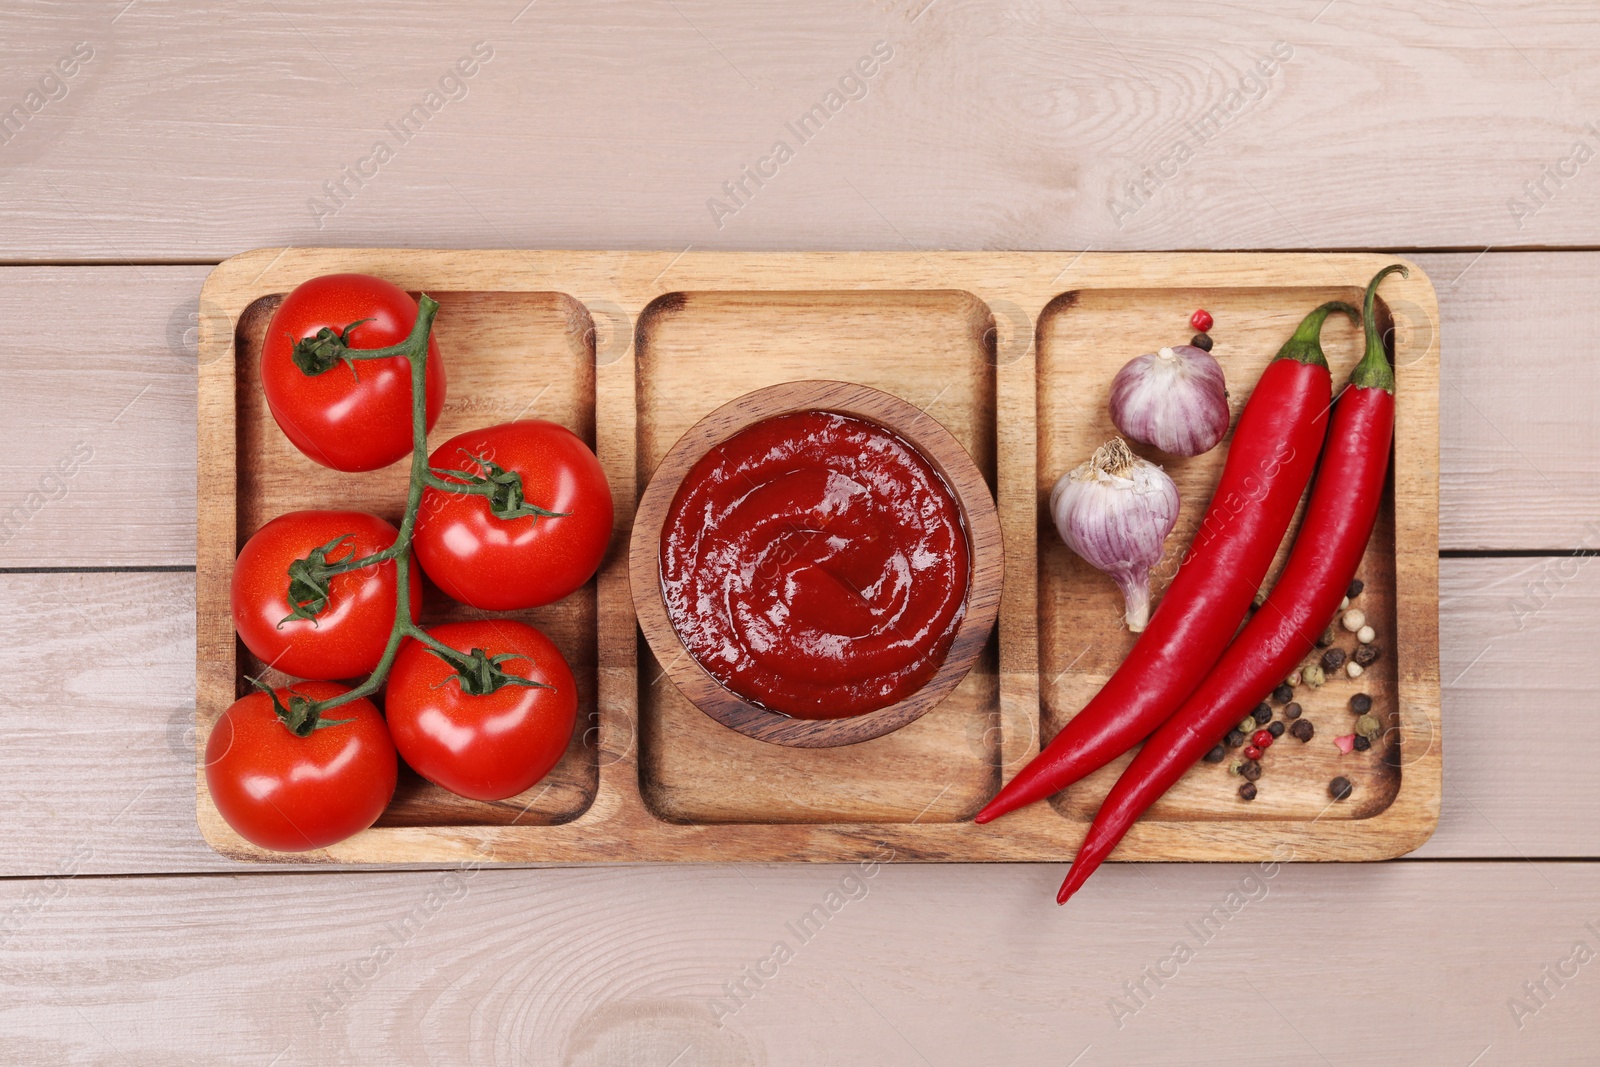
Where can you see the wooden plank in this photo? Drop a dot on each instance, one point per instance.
(1517, 399)
(100, 723)
(1200, 964)
(102, 335)
(97, 415)
(1517, 637)
(1518, 774)
(970, 131)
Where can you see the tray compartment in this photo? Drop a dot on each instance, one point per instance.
(1084, 338)
(507, 356)
(697, 350)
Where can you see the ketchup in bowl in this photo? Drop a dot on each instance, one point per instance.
(816, 564)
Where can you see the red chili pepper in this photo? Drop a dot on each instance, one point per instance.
(1332, 539)
(1270, 460)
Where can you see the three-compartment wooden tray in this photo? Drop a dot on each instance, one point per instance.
(1013, 353)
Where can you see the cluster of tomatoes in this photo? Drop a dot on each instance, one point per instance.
(486, 723)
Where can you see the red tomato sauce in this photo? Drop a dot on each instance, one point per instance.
(816, 564)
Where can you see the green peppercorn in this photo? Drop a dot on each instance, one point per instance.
(1216, 755)
(1247, 791)
(1360, 743)
(1361, 703)
(1367, 655)
(1302, 730)
(1283, 694)
(1291, 710)
(1329, 636)
(1340, 788)
(1276, 729)
(1247, 724)
(1355, 588)
(1332, 660)
(1234, 739)
(1235, 767)
(1262, 714)
(1251, 771)
(1368, 726)
(1313, 675)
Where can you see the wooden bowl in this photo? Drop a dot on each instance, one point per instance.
(936, 445)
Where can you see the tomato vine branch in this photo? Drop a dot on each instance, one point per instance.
(477, 671)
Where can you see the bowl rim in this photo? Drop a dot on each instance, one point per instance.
(980, 517)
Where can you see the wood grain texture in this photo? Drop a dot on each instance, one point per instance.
(1009, 125)
(128, 711)
(620, 823)
(203, 128)
(1514, 407)
(96, 415)
(888, 964)
(1517, 427)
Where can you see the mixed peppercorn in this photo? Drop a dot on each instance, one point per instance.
(1201, 321)
(1258, 730)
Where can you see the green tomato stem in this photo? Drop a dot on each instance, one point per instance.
(477, 671)
(414, 349)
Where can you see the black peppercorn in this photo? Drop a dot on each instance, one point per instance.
(1284, 693)
(1201, 341)
(1332, 659)
(1247, 791)
(1263, 713)
(1234, 739)
(1355, 589)
(1340, 788)
(1216, 755)
(1302, 730)
(1367, 655)
(1276, 729)
(1361, 743)
(1251, 770)
(1291, 710)
(1360, 704)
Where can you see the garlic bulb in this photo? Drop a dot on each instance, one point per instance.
(1175, 399)
(1116, 511)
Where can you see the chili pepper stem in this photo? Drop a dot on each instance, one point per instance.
(1374, 371)
(1305, 344)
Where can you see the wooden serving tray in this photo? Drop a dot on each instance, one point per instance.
(1014, 354)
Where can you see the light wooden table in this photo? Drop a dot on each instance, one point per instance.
(1461, 133)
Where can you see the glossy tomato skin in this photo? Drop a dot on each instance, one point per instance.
(503, 565)
(292, 794)
(348, 637)
(486, 747)
(350, 420)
